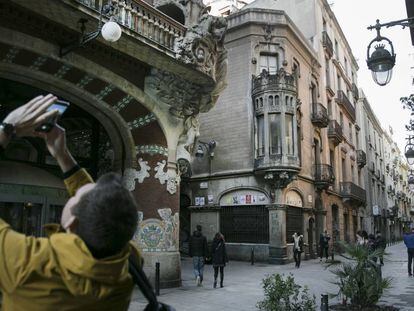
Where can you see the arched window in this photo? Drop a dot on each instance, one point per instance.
(173, 11)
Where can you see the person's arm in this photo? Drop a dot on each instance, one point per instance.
(74, 176)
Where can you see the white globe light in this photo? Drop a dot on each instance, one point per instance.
(111, 31)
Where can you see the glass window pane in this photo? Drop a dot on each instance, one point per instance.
(260, 136)
(272, 64)
(275, 133)
(289, 133)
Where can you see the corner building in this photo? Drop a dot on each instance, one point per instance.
(287, 135)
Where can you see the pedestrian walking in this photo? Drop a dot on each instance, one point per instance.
(297, 248)
(218, 257)
(198, 251)
(324, 245)
(380, 244)
(409, 242)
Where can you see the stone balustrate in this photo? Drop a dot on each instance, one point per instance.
(145, 20)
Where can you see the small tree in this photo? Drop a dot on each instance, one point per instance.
(285, 295)
(360, 279)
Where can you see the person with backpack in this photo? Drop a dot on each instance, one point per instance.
(219, 257)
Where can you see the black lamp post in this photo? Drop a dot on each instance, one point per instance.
(381, 57)
(409, 150)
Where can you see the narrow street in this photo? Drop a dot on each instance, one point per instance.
(242, 284)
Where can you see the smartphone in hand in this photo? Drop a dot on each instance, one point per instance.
(59, 105)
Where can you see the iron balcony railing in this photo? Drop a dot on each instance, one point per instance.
(352, 191)
(319, 115)
(335, 132)
(343, 100)
(327, 44)
(145, 20)
(361, 158)
(324, 175)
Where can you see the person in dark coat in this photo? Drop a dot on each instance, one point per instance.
(198, 250)
(381, 244)
(324, 245)
(297, 248)
(218, 257)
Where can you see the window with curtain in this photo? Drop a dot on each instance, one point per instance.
(289, 134)
(260, 136)
(268, 62)
(275, 133)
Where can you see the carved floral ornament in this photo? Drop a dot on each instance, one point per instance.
(170, 177)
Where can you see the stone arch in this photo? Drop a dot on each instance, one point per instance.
(295, 190)
(234, 189)
(114, 125)
(14, 41)
(173, 11)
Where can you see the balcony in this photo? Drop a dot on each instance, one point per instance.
(361, 158)
(319, 115)
(147, 21)
(355, 91)
(324, 176)
(344, 101)
(327, 44)
(353, 192)
(335, 132)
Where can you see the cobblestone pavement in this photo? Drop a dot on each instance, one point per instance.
(242, 284)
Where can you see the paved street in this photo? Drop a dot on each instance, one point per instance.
(243, 284)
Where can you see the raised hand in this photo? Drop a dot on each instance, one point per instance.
(28, 117)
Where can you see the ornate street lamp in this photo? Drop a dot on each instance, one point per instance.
(209, 147)
(111, 31)
(409, 150)
(381, 57)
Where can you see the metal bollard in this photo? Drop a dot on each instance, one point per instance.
(252, 256)
(324, 302)
(157, 278)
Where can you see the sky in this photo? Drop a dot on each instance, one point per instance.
(355, 16)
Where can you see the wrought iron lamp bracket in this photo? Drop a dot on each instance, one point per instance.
(107, 10)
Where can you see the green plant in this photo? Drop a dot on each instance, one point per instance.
(285, 295)
(360, 279)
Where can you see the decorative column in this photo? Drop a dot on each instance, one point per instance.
(277, 233)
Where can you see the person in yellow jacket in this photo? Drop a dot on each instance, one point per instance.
(85, 267)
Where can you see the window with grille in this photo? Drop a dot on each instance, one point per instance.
(245, 224)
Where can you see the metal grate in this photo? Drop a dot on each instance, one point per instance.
(294, 222)
(245, 224)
